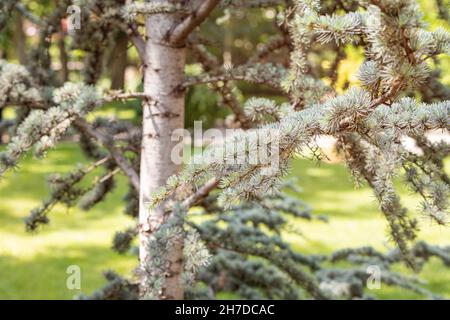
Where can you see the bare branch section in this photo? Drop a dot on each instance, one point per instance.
(182, 31)
(118, 95)
(137, 40)
(116, 154)
(201, 193)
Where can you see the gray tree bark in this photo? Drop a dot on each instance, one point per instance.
(164, 56)
(162, 114)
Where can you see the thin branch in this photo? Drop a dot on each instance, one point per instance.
(109, 175)
(96, 164)
(263, 50)
(118, 95)
(390, 95)
(409, 51)
(29, 15)
(138, 40)
(116, 154)
(182, 30)
(201, 193)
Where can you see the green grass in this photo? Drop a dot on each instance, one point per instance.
(356, 221)
(33, 266)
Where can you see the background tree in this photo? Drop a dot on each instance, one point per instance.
(367, 120)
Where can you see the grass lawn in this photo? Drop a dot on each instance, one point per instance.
(33, 266)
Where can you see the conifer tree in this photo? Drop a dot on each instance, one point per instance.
(245, 199)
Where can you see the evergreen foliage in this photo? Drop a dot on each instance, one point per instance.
(238, 246)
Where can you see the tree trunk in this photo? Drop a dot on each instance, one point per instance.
(63, 58)
(118, 62)
(162, 114)
(20, 40)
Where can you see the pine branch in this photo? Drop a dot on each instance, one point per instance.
(268, 74)
(63, 191)
(251, 3)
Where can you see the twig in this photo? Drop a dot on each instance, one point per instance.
(391, 94)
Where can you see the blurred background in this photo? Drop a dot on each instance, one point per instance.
(33, 266)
